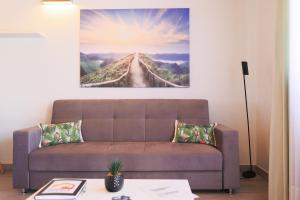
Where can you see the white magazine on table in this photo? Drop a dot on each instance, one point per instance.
(168, 192)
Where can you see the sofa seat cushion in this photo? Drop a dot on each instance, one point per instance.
(136, 156)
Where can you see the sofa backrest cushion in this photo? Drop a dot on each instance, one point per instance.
(130, 120)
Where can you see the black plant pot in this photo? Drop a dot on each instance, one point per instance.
(114, 183)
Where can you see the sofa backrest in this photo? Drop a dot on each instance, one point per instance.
(130, 120)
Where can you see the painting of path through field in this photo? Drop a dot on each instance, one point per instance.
(134, 48)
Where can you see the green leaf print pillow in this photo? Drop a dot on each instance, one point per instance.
(190, 133)
(53, 134)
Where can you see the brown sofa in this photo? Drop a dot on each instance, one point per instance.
(138, 132)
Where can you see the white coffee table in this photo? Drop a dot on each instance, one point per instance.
(138, 189)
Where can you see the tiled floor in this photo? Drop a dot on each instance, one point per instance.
(251, 189)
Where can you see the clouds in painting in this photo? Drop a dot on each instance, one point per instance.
(135, 30)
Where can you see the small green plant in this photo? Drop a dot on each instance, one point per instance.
(115, 168)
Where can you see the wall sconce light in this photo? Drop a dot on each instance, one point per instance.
(57, 1)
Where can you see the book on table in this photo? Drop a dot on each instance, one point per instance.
(61, 189)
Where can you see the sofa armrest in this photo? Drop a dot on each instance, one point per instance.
(228, 143)
(24, 142)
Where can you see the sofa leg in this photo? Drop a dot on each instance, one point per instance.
(230, 191)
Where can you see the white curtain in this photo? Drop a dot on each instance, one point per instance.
(294, 97)
(279, 132)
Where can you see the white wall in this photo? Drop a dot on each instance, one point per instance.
(265, 54)
(36, 71)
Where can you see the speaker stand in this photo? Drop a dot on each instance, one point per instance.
(249, 174)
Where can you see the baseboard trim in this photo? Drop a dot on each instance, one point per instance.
(7, 167)
(257, 169)
(263, 173)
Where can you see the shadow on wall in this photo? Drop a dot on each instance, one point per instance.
(6, 136)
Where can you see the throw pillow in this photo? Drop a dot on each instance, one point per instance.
(53, 134)
(191, 133)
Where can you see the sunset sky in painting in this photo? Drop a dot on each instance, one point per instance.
(134, 30)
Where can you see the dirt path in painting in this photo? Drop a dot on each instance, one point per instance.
(136, 74)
